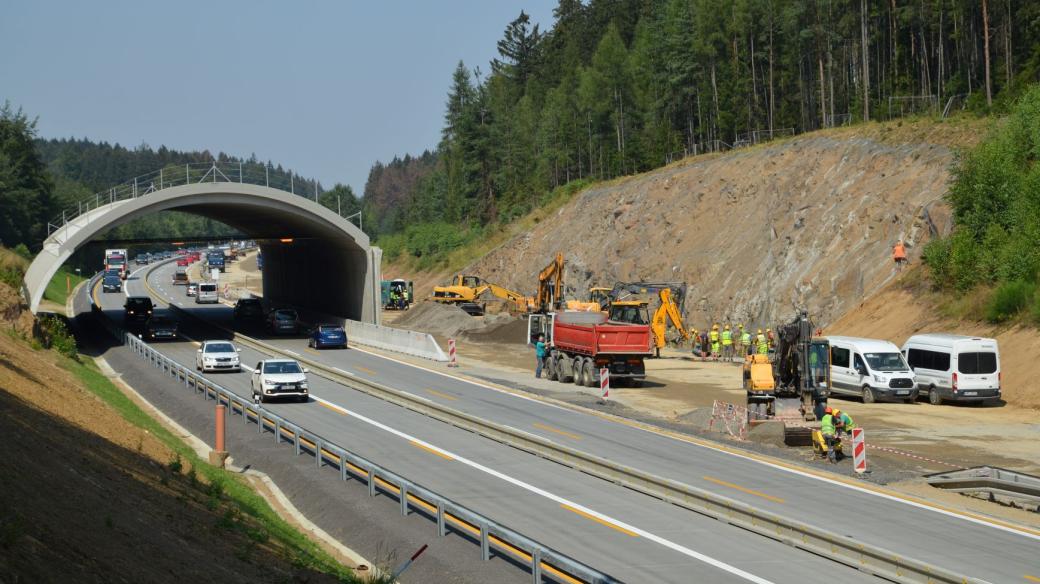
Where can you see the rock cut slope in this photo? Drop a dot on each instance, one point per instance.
(806, 222)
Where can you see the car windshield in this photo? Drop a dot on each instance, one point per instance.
(220, 348)
(138, 302)
(886, 361)
(285, 315)
(282, 367)
(115, 261)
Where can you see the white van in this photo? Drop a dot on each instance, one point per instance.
(955, 367)
(870, 368)
(207, 293)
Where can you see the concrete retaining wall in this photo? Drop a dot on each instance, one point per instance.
(394, 339)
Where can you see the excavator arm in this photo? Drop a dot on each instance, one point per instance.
(668, 311)
(520, 302)
(550, 285)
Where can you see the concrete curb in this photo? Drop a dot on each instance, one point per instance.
(271, 493)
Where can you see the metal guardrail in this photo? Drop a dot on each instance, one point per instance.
(543, 561)
(840, 548)
(992, 480)
(193, 173)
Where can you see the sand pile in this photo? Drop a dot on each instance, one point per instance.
(439, 319)
(500, 328)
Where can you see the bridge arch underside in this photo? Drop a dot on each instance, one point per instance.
(328, 269)
(322, 270)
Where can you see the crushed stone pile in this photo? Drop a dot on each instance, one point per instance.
(441, 319)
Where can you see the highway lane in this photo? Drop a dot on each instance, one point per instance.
(632, 536)
(987, 549)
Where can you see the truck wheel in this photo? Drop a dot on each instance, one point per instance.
(578, 371)
(561, 370)
(590, 373)
(933, 396)
(868, 395)
(550, 369)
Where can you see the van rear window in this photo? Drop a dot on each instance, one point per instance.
(208, 287)
(977, 363)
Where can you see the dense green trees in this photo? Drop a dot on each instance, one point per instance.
(996, 204)
(26, 190)
(622, 86)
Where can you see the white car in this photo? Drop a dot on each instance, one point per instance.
(217, 356)
(191, 289)
(279, 378)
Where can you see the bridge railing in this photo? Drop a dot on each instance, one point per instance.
(192, 173)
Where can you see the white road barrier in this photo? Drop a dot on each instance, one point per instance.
(859, 450)
(394, 339)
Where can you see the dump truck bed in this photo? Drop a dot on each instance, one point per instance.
(602, 339)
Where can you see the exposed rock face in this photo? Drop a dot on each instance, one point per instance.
(806, 223)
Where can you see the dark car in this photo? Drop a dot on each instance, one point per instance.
(328, 335)
(283, 321)
(160, 328)
(249, 308)
(137, 309)
(111, 283)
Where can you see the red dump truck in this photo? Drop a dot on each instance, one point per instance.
(580, 343)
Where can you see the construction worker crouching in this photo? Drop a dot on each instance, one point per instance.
(829, 429)
(727, 344)
(843, 422)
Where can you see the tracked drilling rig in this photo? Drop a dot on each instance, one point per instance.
(794, 385)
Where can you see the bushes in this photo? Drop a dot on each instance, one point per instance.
(995, 197)
(53, 333)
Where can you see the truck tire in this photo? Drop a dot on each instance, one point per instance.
(562, 374)
(590, 373)
(868, 395)
(550, 369)
(576, 367)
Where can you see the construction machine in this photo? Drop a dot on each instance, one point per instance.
(623, 300)
(550, 286)
(598, 298)
(463, 292)
(793, 386)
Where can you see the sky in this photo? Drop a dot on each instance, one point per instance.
(326, 88)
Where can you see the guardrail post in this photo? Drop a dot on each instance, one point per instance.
(440, 519)
(342, 467)
(296, 440)
(317, 453)
(277, 432)
(404, 499)
(485, 548)
(371, 483)
(536, 566)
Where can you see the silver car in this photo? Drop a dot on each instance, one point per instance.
(217, 356)
(279, 378)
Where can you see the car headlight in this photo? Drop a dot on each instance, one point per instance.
(268, 382)
(879, 378)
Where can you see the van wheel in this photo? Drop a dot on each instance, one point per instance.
(868, 395)
(933, 396)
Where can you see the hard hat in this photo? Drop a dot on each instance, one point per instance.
(769, 330)
(837, 412)
(828, 410)
(727, 327)
(715, 327)
(740, 326)
(759, 331)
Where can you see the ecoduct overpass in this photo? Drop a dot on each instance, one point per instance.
(313, 258)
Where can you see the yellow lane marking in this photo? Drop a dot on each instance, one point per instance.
(364, 369)
(598, 520)
(743, 489)
(94, 294)
(441, 394)
(310, 350)
(548, 428)
(1031, 578)
(430, 450)
(327, 406)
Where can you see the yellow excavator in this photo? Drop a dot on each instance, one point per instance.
(625, 306)
(466, 291)
(550, 286)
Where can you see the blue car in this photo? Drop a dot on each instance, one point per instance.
(328, 335)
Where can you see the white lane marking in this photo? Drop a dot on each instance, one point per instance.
(895, 498)
(344, 372)
(293, 353)
(247, 368)
(553, 497)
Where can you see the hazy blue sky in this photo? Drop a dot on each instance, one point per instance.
(324, 87)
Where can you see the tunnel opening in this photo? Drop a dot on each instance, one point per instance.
(314, 259)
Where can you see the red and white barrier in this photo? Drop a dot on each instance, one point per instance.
(859, 450)
(604, 381)
(452, 361)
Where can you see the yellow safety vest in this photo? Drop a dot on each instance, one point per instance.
(727, 338)
(714, 336)
(745, 339)
(763, 345)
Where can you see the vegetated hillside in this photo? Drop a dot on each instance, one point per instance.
(804, 222)
(909, 306)
(87, 495)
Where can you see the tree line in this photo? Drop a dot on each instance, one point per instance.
(616, 87)
(41, 177)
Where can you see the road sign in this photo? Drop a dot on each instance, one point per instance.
(859, 450)
(452, 362)
(604, 381)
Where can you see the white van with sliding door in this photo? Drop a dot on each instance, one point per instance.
(955, 367)
(870, 368)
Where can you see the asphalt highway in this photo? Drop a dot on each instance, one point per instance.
(626, 534)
